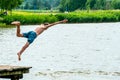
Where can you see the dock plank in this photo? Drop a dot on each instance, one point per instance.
(7, 71)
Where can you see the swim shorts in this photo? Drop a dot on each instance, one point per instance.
(31, 35)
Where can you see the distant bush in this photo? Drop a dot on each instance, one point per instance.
(73, 17)
(94, 16)
(29, 19)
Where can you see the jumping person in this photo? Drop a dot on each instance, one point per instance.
(31, 35)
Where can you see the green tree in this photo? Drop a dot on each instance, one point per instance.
(88, 5)
(116, 4)
(100, 4)
(71, 5)
(92, 4)
(47, 5)
(27, 5)
(63, 6)
(41, 4)
(9, 4)
(57, 2)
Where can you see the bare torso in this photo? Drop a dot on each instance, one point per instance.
(40, 29)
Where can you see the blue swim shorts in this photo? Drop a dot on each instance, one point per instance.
(31, 35)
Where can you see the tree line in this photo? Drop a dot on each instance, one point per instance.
(71, 5)
(40, 4)
(62, 5)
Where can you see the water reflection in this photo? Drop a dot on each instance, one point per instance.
(83, 72)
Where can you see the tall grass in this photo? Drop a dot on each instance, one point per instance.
(73, 17)
(30, 19)
(93, 16)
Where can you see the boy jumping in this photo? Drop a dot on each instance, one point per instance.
(31, 35)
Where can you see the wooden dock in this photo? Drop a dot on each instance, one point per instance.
(13, 72)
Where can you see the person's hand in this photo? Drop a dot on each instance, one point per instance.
(17, 23)
(65, 20)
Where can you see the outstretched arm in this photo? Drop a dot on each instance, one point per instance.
(52, 24)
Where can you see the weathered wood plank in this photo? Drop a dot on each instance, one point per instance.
(11, 68)
(13, 72)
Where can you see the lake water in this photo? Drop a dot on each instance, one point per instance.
(66, 52)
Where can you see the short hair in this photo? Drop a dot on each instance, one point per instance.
(46, 23)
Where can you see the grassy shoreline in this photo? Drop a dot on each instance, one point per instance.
(98, 16)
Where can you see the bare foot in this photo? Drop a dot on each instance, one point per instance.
(19, 56)
(17, 23)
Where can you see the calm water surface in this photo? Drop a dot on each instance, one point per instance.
(66, 52)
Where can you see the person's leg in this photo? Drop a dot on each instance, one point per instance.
(18, 32)
(17, 23)
(22, 50)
